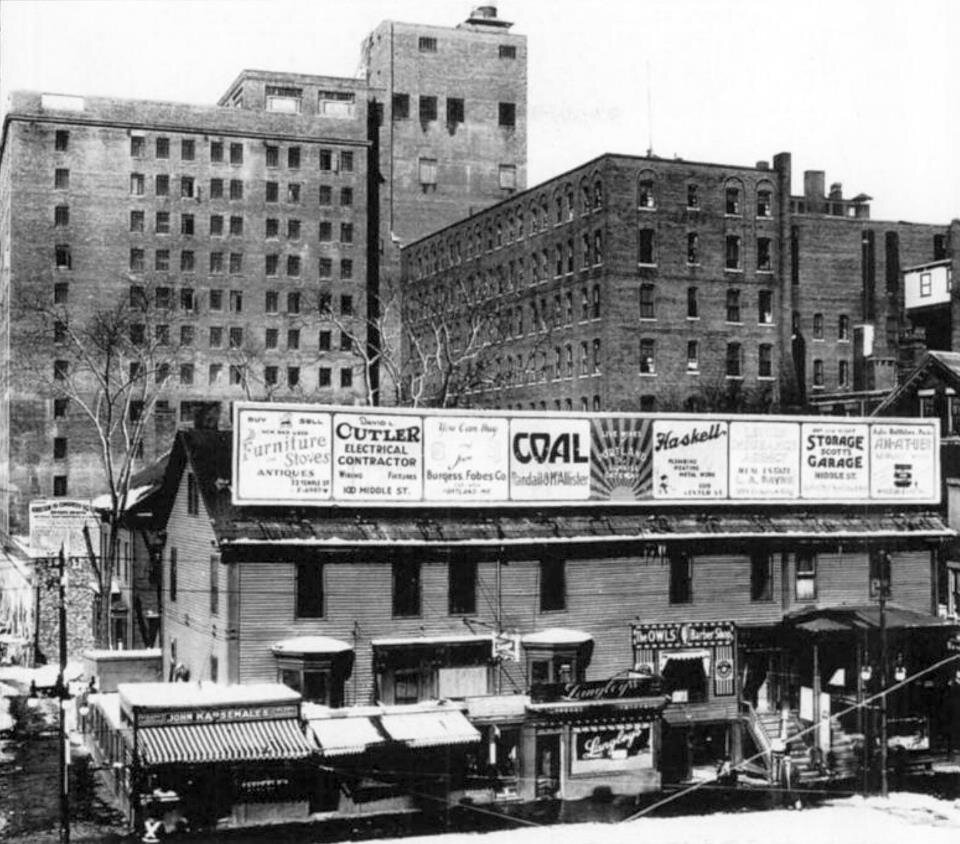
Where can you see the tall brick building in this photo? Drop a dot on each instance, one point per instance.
(648, 283)
(238, 224)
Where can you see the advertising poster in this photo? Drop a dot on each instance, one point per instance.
(549, 459)
(465, 458)
(283, 455)
(620, 453)
(903, 461)
(834, 461)
(377, 457)
(60, 522)
(689, 458)
(763, 460)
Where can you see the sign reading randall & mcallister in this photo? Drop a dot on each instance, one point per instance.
(303, 455)
(689, 634)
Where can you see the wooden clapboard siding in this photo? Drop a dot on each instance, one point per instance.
(843, 578)
(199, 635)
(911, 583)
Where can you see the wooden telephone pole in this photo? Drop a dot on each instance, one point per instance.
(62, 697)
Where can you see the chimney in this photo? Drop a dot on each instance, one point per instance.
(813, 184)
(836, 191)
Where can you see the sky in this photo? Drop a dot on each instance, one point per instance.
(866, 90)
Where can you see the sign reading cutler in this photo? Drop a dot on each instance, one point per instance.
(377, 457)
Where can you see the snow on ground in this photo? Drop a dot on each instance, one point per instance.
(897, 820)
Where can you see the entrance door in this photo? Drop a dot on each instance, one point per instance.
(548, 765)
(675, 764)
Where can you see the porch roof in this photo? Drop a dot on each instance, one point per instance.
(843, 619)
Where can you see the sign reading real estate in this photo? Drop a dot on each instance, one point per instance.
(318, 455)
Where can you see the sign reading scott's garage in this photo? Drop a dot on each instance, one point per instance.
(302, 455)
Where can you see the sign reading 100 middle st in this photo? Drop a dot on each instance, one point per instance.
(302, 455)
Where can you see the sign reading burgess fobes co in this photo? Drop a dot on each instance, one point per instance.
(303, 455)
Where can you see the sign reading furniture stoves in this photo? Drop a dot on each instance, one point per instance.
(316, 455)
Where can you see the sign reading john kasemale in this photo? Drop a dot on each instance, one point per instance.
(305, 455)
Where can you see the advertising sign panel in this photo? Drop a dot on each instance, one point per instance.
(59, 522)
(303, 455)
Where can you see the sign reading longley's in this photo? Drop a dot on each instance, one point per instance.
(301, 455)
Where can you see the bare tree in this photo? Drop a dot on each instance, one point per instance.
(111, 364)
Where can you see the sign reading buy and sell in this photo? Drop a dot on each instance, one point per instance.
(317, 455)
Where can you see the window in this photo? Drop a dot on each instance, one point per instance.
(284, 99)
(732, 201)
(346, 268)
(507, 115)
(272, 155)
(734, 368)
(186, 261)
(309, 590)
(193, 495)
(61, 216)
(61, 369)
(236, 263)
(428, 109)
(462, 583)
(216, 151)
(293, 158)
(647, 356)
(61, 180)
(186, 224)
(271, 338)
(765, 307)
(346, 342)
(59, 448)
(293, 230)
(428, 173)
(647, 301)
(323, 376)
(136, 221)
(188, 150)
(236, 374)
(508, 51)
(346, 196)
(401, 106)
(60, 408)
(765, 361)
(455, 111)
(508, 178)
(162, 185)
(236, 337)
(61, 291)
(693, 248)
(693, 356)
(236, 226)
(843, 373)
(646, 255)
(818, 326)
(138, 145)
(346, 305)
(216, 263)
(186, 374)
(293, 376)
(645, 195)
(236, 189)
(293, 265)
(733, 306)
(271, 302)
(406, 588)
(693, 306)
(270, 374)
(216, 336)
(681, 577)
(61, 140)
(271, 264)
(236, 153)
(162, 224)
(136, 260)
(215, 372)
(216, 188)
(161, 260)
(324, 341)
(293, 302)
(293, 339)
(764, 203)
(61, 256)
(843, 328)
(172, 588)
(346, 378)
(764, 262)
(732, 252)
(137, 184)
(818, 373)
(186, 335)
(163, 148)
(693, 196)
(553, 585)
(346, 161)
(806, 576)
(272, 193)
(325, 267)
(426, 44)
(761, 576)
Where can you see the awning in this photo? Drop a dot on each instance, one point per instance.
(244, 741)
(342, 736)
(556, 637)
(310, 645)
(430, 729)
(865, 617)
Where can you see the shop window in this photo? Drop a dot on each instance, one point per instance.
(806, 576)
(684, 675)
(553, 585)
(406, 588)
(406, 686)
(462, 576)
(681, 578)
(761, 576)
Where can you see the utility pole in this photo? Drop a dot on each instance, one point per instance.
(884, 589)
(62, 697)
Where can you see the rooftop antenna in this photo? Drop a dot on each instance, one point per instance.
(649, 112)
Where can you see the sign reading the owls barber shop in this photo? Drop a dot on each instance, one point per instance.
(303, 455)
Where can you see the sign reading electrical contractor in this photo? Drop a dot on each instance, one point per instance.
(302, 455)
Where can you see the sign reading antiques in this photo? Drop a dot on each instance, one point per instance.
(689, 634)
(304, 455)
(255, 712)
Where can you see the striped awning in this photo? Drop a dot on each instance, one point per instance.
(224, 742)
(342, 736)
(430, 729)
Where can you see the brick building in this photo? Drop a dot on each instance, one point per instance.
(238, 224)
(647, 283)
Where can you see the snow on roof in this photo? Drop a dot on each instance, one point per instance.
(134, 497)
(316, 711)
(103, 654)
(556, 636)
(188, 695)
(462, 638)
(311, 645)
(109, 704)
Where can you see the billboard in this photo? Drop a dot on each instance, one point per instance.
(307, 455)
(56, 522)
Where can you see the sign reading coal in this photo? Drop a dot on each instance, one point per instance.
(301, 455)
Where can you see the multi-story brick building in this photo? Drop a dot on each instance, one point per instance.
(239, 224)
(634, 282)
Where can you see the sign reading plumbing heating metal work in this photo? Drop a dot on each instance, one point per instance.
(307, 455)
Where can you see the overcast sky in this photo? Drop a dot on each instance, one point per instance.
(867, 90)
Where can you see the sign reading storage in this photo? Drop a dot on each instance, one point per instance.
(320, 455)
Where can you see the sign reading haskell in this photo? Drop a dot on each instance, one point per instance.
(305, 455)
